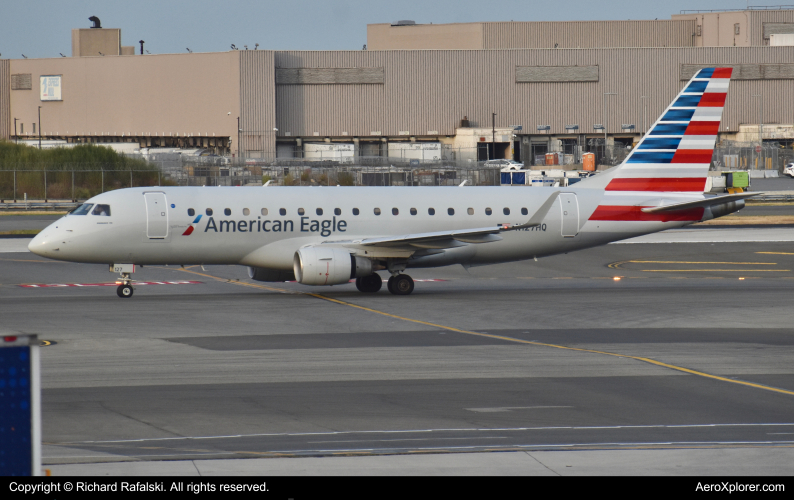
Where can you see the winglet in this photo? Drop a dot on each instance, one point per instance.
(538, 216)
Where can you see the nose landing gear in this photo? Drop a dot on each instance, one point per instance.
(124, 290)
(124, 282)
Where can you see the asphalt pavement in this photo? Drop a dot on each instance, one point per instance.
(644, 358)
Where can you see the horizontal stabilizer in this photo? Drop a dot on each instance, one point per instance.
(705, 202)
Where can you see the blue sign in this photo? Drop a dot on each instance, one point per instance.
(15, 412)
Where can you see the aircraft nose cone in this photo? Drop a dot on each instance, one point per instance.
(43, 244)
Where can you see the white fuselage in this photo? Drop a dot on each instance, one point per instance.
(255, 233)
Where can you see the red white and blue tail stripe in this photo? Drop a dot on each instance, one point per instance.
(672, 160)
(675, 154)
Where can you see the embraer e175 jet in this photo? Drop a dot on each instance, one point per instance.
(330, 235)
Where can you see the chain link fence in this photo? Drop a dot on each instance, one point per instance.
(731, 155)
(75, 182)
(72, 185)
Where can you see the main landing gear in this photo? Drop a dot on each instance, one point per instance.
(369, 284)
(399, 284)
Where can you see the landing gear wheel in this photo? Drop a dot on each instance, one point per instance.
(390, 284)
(124, 291)
(369, 284)
(402, 284)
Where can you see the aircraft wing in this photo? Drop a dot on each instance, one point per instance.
(705, 202)
(452, 238)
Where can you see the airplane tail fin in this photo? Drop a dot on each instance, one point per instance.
(675, 153)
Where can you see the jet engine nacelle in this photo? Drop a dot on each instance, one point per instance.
(268, 274)
(714, 211)
(328, 266)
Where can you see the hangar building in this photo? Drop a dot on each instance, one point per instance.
(473, 91)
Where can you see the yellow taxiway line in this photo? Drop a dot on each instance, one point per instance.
(501, 337)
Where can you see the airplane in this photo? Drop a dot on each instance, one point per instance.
(324, 236)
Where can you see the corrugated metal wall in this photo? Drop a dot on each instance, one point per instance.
(759, 17)
(5, 99)
(257, 102)
(588, 34)
(432, 90)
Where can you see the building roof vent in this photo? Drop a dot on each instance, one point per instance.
(96, 22)
(404, 22)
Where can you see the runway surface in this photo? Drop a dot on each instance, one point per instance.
(681, 348)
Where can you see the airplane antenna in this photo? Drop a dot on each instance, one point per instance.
(268, 183)
(463, 183)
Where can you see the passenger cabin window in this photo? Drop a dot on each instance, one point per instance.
(208, 211)
(506, 211)
(227, 211)
(395, 211)
(101, 210)
(246, 211)
(488, 211)
(282, 211)
(413, 211)
(377, 211)
(451, 211)
(191, 212)
(319, 211)
(524, 211)
(264, 211)
(82, 209)
(337, 211)
(355, 211)
(431, 211)
(301, 211)
(470, 211)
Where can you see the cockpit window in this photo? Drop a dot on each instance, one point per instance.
(101, 210)
(82, 209)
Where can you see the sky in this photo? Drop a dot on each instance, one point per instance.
(42, 28)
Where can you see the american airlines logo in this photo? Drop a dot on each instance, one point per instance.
(192, 226)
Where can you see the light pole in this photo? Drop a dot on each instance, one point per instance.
(605, 119)
(39, 127)
(493, 135)
(16, 137)
(760, 128)
(239, 139)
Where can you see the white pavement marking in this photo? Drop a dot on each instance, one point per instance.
(480, 429)
(761, 460)
(14, 245)
(510, 408)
